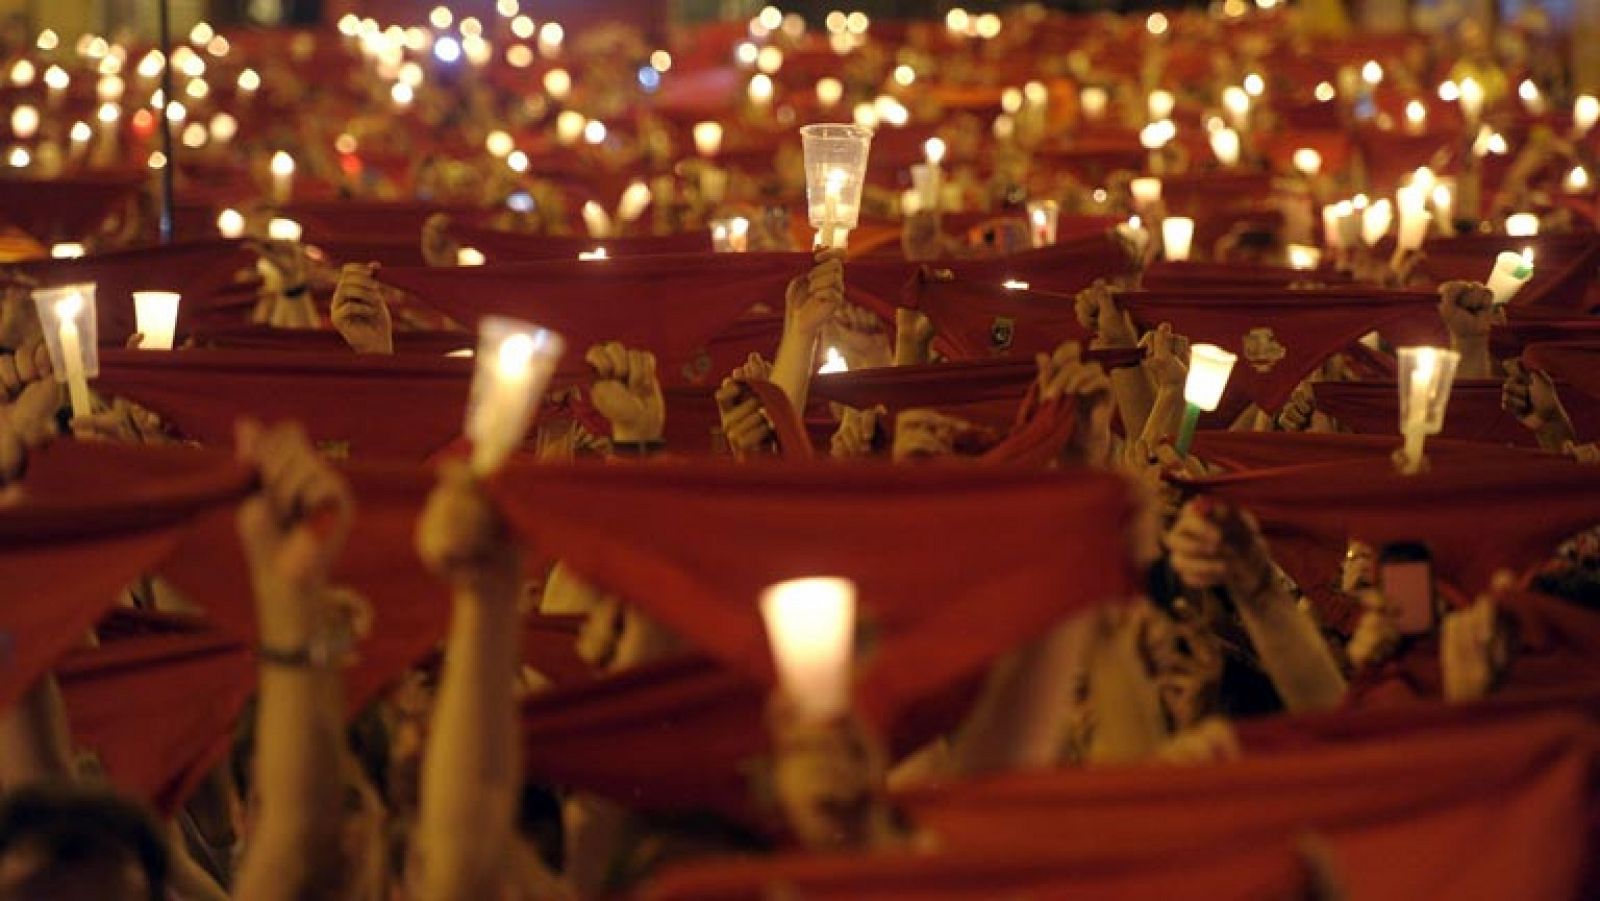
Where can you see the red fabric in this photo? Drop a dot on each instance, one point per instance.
(1267, 450)
(157, 710)
(1306, 327)
(396, 219)
(1577, 364)
(339, 248)
(1391, 156)
(969, 315)
(668, 304)
(1188, 275)
(65, 209)
(787, 429)
(639, 532)
(500, 246)
(1509, 340)
(1474, 413)
(92, 520)
(985, 392)
(1526, 781)
(1563, 265)
(428, 343)
(199, 270)
(370, 406)
(1477, 515)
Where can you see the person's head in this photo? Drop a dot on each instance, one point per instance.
(65, 843)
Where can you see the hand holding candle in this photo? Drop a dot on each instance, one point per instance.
(1426, 376)
(836, 165)
(811, 627)
(67, 319)
(515, 360)
(1209, 368)
(1511, 271)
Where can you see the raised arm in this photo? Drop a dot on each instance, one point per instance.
(811, 300)
(292, 532)
(471, 774)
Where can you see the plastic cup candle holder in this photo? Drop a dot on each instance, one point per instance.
(67, 320)
(515, 360)
(156, 315)
(836, 168)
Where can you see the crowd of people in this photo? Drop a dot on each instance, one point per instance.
(271, 627)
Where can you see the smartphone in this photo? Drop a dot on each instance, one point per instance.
(1405, 576)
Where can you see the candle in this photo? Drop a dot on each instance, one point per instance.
(634, 201)
(1159, 105)
(835, 165)
(1532, 100)
(156, 313)
(933, 150)
(1177, 234)
(67, 250)
(1471, 99)
(739, 234)
(1209, 368)
(56, 81)
(1094, 100)
(558, 83)
(596, 220)
(1426, 375)
(1304, 257)
(1416, 117)
(1511, 271)
(811, 626)
(1412, 201)
(24, 122)
(230, 223)
(599, 253)
(470, 256)
(1237, 102)
(569, 127)
(282, 166)
(1522, 225)
(1375, 221)
(1146, 192)
(1334, 230)
(514, 362)
(1225, 145)
(280, 229)
(761, 89)
(1585, 111)
(1044, 217)
(67, 319)
(1134, 232)
(1307, 161)
(1577, 181)
(707, 138)
(829, 92)
(1155, 136)
(1444, 200)
(594, 132)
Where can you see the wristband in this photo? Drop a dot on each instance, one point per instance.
(637, 448)
(320, 652)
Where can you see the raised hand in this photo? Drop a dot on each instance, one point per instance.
(856, 431)
(1097, 310)
(627, 392)
(1529, 395)
(859, 334)
(438, 248)
(913, 336)
(295, 526)
(1165, 353)
(1377, 633)
(1215, 547)
(1064, 374)
(29, 364)
(744, 424)
(814, 297)
(462, 538)
(26, 423)
(122, 422)
(925, 433)
(360, 312)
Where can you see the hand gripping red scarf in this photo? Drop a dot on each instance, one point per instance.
(1283, 336)
(1477, 516)
(1175, 276)
(1474, 413)
(356, 406)
(1574, 363)
(199, 270)
(65, 209)
(1563, 265)
(1236, 451)
(667, 304)
(940, 600)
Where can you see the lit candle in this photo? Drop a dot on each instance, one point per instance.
(1177, 234)
(1307, 161)
(739, 234)
(1094, 100)
(761, 89)
(56, 81)
(833, 187)
(1471, 100)
(1426, 375)
(156, 313)
(1044, 217)
(1225, 145)
(280, 229)
(1304, 257)
(934, 150)
(594, 132)
(1237, 102)
(1146, 192)
(67, 314)
(1375, 221)
(470, 256)
(1532, 100)
(1155, 136)
(514, 363)
(1160, 104)
(1522, 225)
(230, 223)
(24, 122)
(811, 627)
(569, 127)
(829, 92)
(1334, 230)
(708, 138)
(1134, 232)
(1416, 117)
(1444, 202)
(558, 83)
(79, 135)
(282, 166)
(1511, 271)
(596, 220)
(635, 198)
(66, 250)
(1585, 112)
(1412, 201)
(835, 166)
(1577, 181)
(1209, 368)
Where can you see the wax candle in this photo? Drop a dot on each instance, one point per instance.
(810, 625)
(1511, 271)
(514, 362)
(156, 315)
(282, 167)
(1177, 234)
